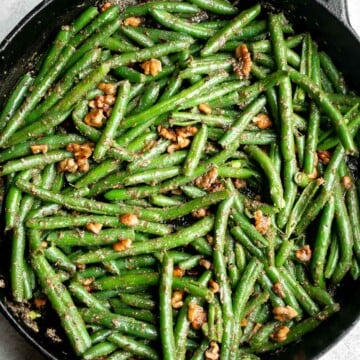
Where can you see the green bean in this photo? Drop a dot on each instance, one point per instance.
(355, 269)
(57, 257)
(101, 349)
(113, 122)
(333, 257)
(119, 322)
(174, 7)
(324, 103)
(15, 99)
(152, 176)
(276, 189)
(18, 119)
(165, 308)
(62, 303)
(133, 346)
(345, 238)
(165, 201)
(83, 238)
(222, 7)
(180, 238)
(300, 329)
(216, 42)
(242, 294)
(319, 295)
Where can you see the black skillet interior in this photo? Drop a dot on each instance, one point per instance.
(32, 36)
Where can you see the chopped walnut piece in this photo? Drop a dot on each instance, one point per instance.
(324, 156)
(95, 118)
(200, 213)
(239, 183)
(91, 104)
(99, 101)
(94, 227)
(304, 254)
(107, 88)
(284, 313)
(262, 222)
(186, 131)
(262, 121)
(109, 99)
(68, 165)
(205, 181)
(80, 151)
(37, 149)
(83, 165)
(280, 334)
(278, 290)
(81, 266)
(166, 133)
(214, 286)
(216, 186)
(106, 6)
(88, 281)
(244, 323)
(213, 352)
(39, 302)
(178, 272)
(346, 182)
(133, 21)
(243, 67)
(209, 239)
(205, 109)
(205, 263)
(151, 67)
(196, 315)
(180, 144)
(122, 245)
(129, 219)
(177, 299)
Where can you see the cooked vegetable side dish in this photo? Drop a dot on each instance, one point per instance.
(180, 182)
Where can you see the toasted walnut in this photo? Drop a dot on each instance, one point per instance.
(213, 352)
(37, 149)
(239, 183)
(91, 104)
(94, 227)
(177, 299)
(151, 67)
(186, 131)
(214, 286)
(122, 245)
(166, 133)
(216, 186)
(44, 244)
(88, 281)
(205, 181)
(109, 99)
(80, 151)
(83, 165)
(132, 21)
(178, 272)
(106, 6)
(180, 144)
(129, 219)
(280, 334)
(200, 213)
(314, 174)
(196, 315)
(68, 165)
(209, 239)
(278, 290)
(262, 222)
(99, 101)
(284, 313)
(324, 156)
(95, 118)
(81, 266)
(205, 263)
(243, 67)
(40, 302)
(262, 121)
(304, 254)
(346, 182)
(244, 323)
(205, 109)
(107, 88)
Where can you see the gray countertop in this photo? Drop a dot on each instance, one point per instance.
(12, 345)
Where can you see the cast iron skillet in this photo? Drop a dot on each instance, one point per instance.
(327, 22)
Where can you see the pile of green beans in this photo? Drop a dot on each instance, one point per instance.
(189, 230)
